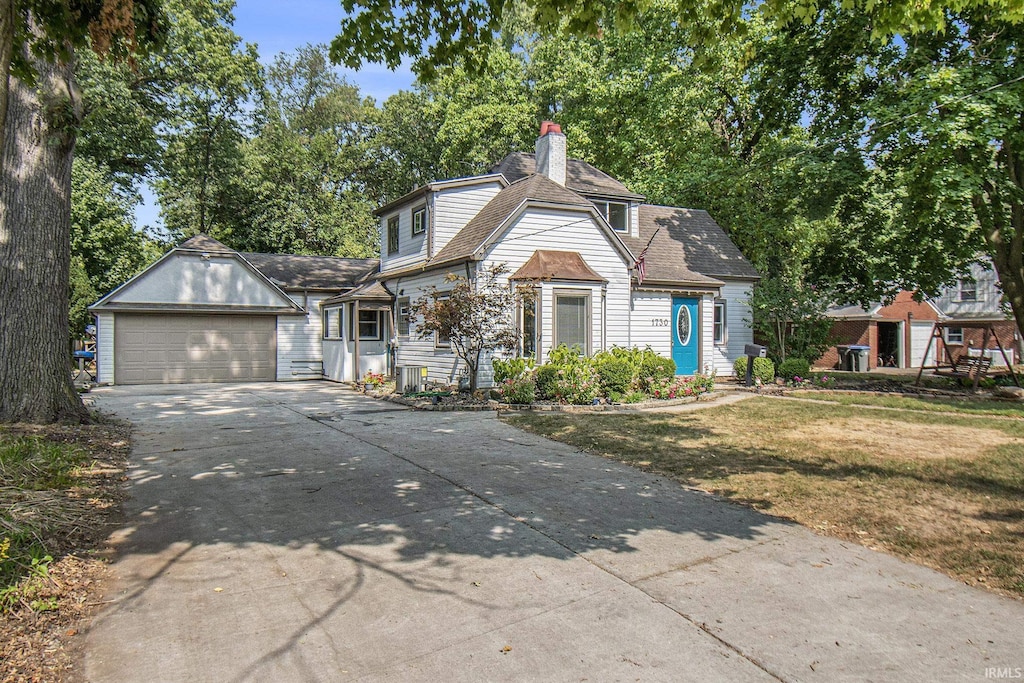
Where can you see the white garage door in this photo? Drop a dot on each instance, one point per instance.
(171, 348)
(920, 333)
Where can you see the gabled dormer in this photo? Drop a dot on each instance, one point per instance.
(417, 226)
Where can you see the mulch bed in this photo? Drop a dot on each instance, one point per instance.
(46, 645)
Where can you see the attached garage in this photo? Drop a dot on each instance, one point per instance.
(173, 348)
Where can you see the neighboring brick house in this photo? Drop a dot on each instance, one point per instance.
(898, 333)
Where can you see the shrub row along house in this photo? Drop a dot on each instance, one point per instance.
(599, 268)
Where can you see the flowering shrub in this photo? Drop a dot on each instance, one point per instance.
(374, 379)
(575, 384)
(521, 389)
(681, 387)
(825, 382)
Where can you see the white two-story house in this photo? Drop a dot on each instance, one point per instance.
(574, 235)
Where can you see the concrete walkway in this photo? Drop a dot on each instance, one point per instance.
(301, 532)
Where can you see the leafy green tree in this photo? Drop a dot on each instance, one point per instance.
(942, 133)
(40, 111)
(212, 76)
(309, 178)
(473, 314)
(791, 317)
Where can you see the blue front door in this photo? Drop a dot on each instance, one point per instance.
(685, 335)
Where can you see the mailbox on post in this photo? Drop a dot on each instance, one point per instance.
(753, 351)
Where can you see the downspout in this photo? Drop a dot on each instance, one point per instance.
(604, 317)
(354, 329)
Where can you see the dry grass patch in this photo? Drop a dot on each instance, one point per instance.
(944, 490)
(60, 489)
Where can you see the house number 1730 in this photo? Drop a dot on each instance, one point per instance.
(659, 322)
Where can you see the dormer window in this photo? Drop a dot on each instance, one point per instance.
(616, 213)
(419, 221)
(393, 235)
(968, 290)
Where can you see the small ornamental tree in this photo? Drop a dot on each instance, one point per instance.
(791, 317)
(475, 315)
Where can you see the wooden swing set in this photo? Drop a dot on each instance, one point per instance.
(963, 366)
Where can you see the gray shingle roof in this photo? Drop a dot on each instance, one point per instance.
(579, 176)
(204, 243)
(291, 271)
(472, 236)
(689, 244)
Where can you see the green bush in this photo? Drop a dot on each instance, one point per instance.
(544, 377)
(764, 369)
(794, 367)
(616, 373)
(576, 384)
(521, 389)
(566, 356)
(653, 369)
(510, 368)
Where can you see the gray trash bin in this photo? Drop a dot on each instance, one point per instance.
(859, 358)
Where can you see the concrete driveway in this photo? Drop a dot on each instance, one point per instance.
(301, 532)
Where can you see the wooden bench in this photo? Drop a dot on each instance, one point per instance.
(968, 367)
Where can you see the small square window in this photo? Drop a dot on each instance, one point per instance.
(393, 235)
(954, 335)
(419, 221)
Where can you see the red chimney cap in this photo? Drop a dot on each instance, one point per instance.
(549, 127)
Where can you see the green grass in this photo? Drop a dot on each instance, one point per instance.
(35, 475)
(946, 490)
(967, 406)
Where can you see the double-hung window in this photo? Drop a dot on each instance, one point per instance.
(393, 235)
(954, 335)
(528, 324)
(369, 325)
(404, 310)
(721, 330)
(968, 290)
(419, 221)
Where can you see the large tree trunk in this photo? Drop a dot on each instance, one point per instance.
(35, 248)
(7, 17)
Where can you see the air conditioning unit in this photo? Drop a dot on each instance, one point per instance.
(410, 378)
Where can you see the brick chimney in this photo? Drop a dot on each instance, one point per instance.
(550, 150)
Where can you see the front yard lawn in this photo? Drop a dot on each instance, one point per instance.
(943, 490)
(935, 404)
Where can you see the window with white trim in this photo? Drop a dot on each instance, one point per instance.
(721, 331)
(528, 324)
(404, 314)
(954, 335)
(325, 324)
(341, 323)
(369, 325)
(572, 320)
(968, 290)
(419, 221)
(393, 235)
(616, 213)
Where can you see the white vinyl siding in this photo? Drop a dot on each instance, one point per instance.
(190, 280)
(571, 231)
(651, 319)
(442, 365)
(299, 341)
(454, 207)
(411, 248)
(105, 348)
(720, 357)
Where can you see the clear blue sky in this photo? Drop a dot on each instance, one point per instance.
(277, 26)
